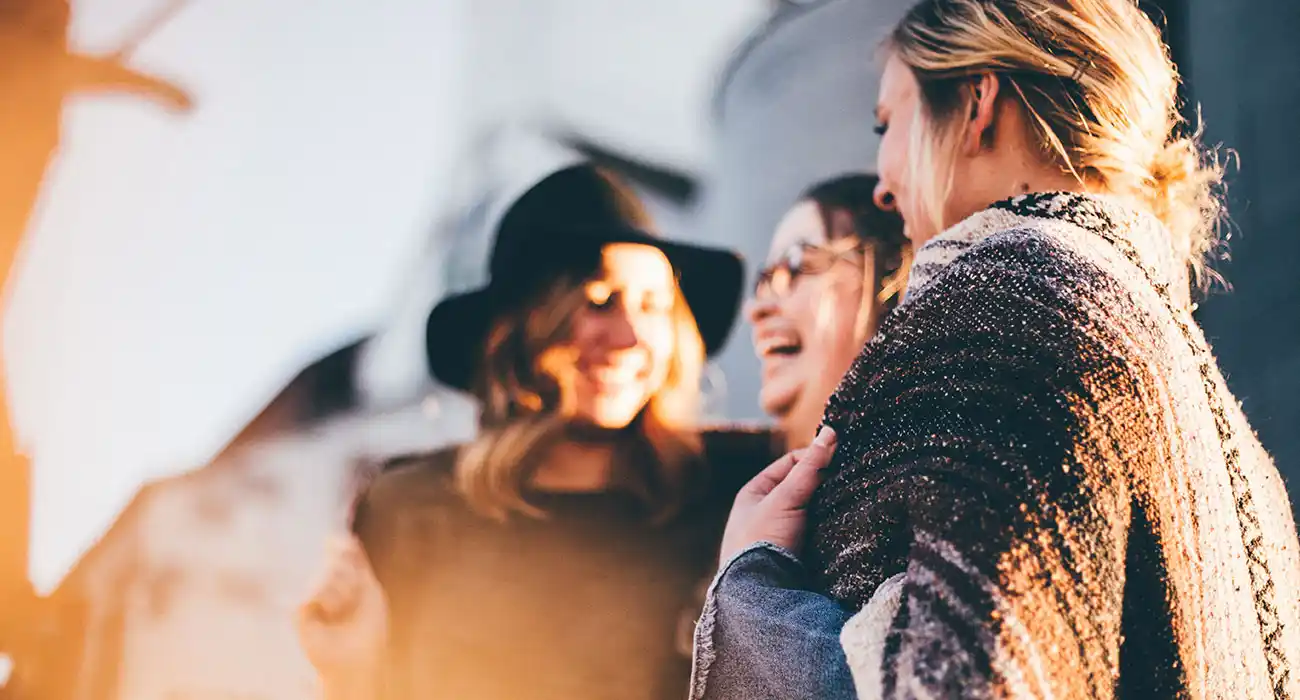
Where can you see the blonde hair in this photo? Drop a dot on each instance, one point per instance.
(1100, 91)
(891, 270)
(526, 388)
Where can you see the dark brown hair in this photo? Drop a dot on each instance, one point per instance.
(852, 197)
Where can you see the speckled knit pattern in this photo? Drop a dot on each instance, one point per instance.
(1041, 442)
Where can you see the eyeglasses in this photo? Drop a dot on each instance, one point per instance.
(780, 276)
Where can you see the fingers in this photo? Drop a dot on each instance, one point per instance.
(766, 480)
(793, 492)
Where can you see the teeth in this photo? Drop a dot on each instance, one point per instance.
(777, 346)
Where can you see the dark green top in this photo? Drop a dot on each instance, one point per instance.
(592, 602)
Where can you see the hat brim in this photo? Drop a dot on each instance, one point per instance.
(711, 280)
(455, 336)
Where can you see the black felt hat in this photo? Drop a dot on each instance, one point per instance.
(560, 226)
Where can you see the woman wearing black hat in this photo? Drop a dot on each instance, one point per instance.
(559, 555)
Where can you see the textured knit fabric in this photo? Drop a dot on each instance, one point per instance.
(591, 603)
(1041, 444)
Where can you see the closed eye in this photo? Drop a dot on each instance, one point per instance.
(657, 305)
(600, 296)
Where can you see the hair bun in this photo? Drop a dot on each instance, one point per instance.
(1182, 190)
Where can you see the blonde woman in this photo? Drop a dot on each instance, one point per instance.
(1034, 482)
(558, 555)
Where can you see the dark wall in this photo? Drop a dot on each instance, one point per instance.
(1242, 63)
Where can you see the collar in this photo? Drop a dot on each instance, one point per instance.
(1137, 234)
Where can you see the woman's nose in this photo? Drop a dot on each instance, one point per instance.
(761, 306)
(884, 198)
(620, 332)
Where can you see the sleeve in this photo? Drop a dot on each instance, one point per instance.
(977, 509)
(765, 634)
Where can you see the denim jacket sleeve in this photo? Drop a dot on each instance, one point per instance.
(764, 634)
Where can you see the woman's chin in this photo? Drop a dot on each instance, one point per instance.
(610, 419)
(613, 412)
(777, 405)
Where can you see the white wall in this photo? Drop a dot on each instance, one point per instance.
(183, 269)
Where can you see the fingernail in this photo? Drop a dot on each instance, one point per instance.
(825, 437)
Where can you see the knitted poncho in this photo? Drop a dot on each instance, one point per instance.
(1043, 487)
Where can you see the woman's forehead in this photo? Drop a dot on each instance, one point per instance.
(897, 85)
(635, 263)
(802, 224)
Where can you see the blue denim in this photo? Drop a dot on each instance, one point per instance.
(764, 633)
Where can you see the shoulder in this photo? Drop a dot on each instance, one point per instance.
(1029, 265)
(409, 504)
(1023, 308)
(1031, 314)
(413, 479)
(1020, 283)
(1026, 252)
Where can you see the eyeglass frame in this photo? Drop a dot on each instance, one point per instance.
(767, 277)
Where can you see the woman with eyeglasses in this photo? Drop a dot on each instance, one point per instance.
(838, 264)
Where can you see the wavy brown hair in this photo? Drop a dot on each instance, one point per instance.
(526, 381)
(526, 388)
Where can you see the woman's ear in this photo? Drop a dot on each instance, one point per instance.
(983, 109)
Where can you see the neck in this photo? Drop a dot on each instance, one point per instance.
(1022, 173)
(798, 427)
(1011, 177)
(1019, 166)
(576, 466)
(1040, 181)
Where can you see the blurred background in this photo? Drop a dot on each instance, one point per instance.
(224, 222)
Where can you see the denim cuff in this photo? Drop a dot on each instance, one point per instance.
(766, 564)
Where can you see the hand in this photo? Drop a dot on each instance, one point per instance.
(770, 508)
(343, 625)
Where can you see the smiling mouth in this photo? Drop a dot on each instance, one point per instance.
(779, 347)
(617, 378)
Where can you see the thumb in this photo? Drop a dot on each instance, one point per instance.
(795, 490)
(771, 476)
